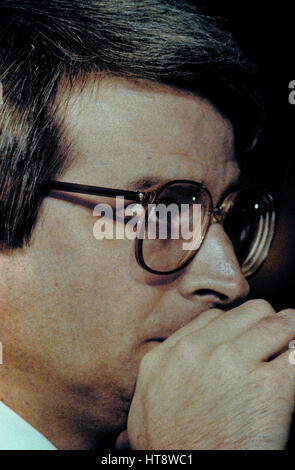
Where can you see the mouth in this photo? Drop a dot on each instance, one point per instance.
(154, 342)
(157, 339)
(160, 334)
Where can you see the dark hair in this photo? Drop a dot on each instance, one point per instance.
(42, 41)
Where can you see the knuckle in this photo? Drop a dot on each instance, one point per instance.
(261, 305)
(286, 318)
(289, 312)
(269, 325)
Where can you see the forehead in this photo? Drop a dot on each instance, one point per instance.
(122, 130)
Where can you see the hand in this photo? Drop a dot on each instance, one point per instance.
(220, 382)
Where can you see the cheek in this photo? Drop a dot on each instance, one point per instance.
(89, 301)
(95, 294)
(97, 275)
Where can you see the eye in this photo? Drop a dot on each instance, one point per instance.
(166, 200)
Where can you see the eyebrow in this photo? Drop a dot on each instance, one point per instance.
(144, 183)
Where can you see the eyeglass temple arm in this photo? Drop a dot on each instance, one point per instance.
(95, 190)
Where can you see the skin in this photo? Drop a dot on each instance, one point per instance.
(227, 380)
(78, 314)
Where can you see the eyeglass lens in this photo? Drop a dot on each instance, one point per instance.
(170, 238)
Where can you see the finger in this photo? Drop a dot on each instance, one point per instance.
(235, 322)
(268, 337)
(197, 324)
(219, 326)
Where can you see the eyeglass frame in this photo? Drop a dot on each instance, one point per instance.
(216, 215)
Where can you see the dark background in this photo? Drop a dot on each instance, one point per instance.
(266, 33)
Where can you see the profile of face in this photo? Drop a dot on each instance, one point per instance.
(82, 312)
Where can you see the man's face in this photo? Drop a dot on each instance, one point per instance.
(84, 312)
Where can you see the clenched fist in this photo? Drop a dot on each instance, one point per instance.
(223, 381)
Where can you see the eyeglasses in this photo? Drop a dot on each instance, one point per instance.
(248, 217)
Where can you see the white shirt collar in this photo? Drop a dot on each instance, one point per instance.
(17, 434)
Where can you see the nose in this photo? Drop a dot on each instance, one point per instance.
(214, 275)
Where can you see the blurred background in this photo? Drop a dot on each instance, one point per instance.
(265, 32)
